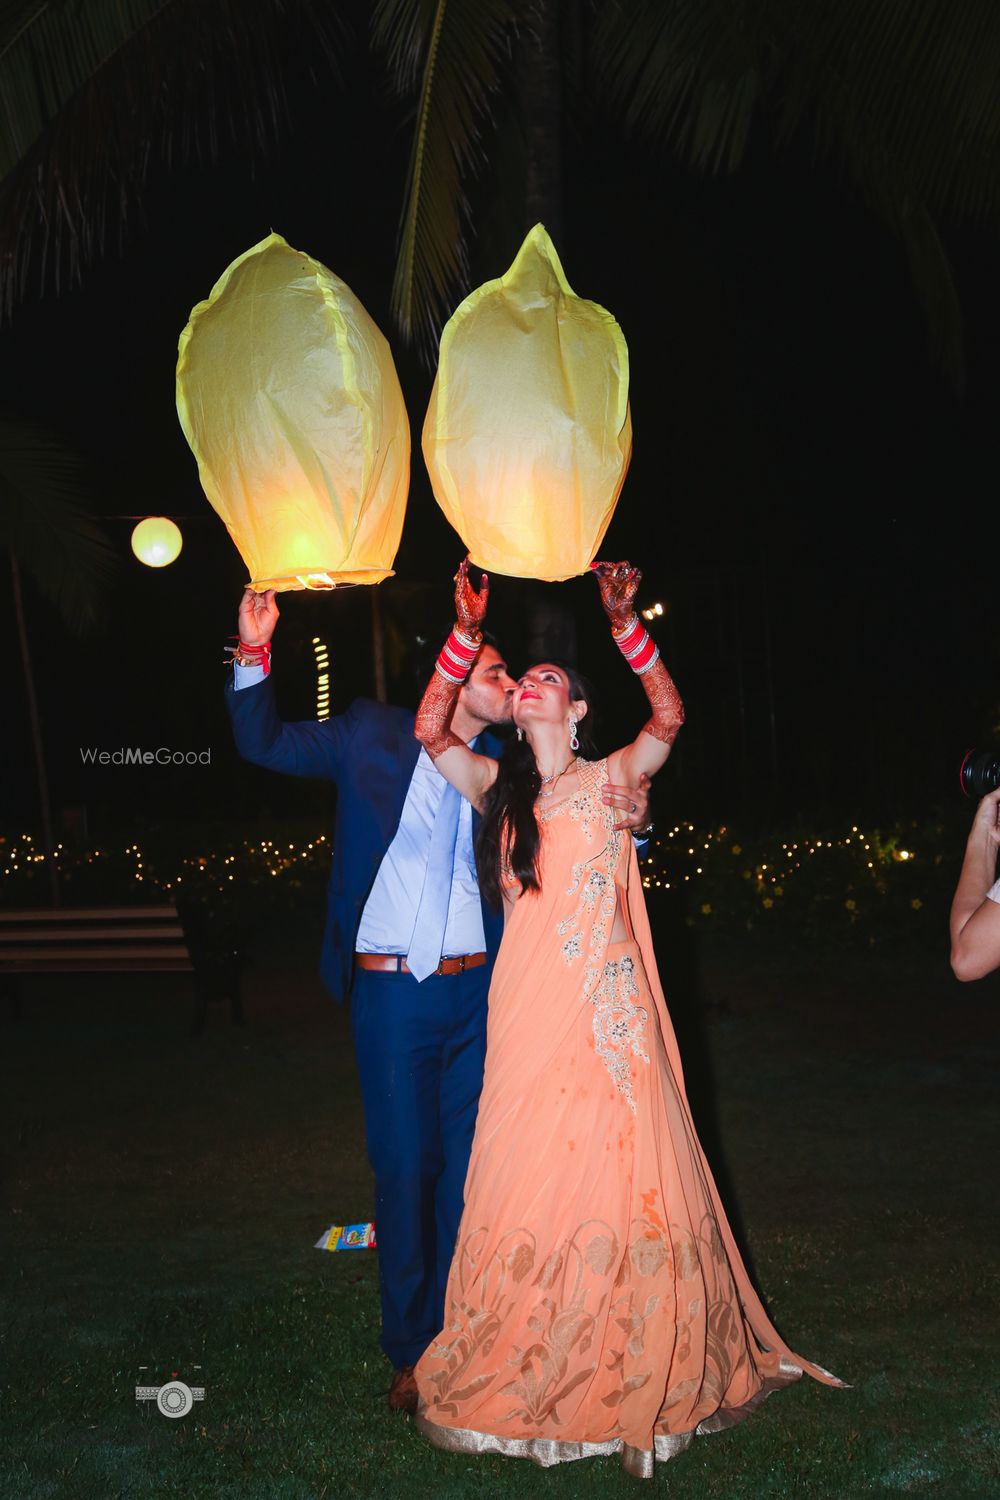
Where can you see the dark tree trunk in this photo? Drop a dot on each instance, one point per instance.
(378, 646)
(36, 732)
(541, 87)
(553, 628)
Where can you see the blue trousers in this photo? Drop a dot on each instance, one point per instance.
(420, 1050)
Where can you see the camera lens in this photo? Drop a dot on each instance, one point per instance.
(979, 772)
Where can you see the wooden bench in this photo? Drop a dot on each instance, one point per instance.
(118, 939)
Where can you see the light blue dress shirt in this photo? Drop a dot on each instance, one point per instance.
(390, 912)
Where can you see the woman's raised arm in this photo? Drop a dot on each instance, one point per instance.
(618, 583)
(472, 774)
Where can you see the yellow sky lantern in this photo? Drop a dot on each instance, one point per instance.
(289, 398)
(528, 434)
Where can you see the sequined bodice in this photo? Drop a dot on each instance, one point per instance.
(563, 930)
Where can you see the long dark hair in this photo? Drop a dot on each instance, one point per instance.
(509, 809)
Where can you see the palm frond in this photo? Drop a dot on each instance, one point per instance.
(903, 92)
(917, 77)
(891, 199)
(91, 94)
(457, 52)
(935, 289)
(48, 52)
(45, 522)
(690, 72)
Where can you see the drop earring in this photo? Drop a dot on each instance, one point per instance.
(574, 743)
(520, 733)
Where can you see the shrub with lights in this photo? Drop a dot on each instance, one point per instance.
(856, 885)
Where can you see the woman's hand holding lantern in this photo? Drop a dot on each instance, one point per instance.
(470, 606)
(619, 584)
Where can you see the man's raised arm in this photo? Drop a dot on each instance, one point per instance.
(308, 747)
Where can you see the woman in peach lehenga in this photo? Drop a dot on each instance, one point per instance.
(597, 1301)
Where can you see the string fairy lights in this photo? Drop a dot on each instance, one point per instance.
(858, 873)
(132, 866)
(683, 855)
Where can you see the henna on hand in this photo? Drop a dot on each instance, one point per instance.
(619, 584)
(433, 716)
(470, 606)
(665, 701)
(452, 667)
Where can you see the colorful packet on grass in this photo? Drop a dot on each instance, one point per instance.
(348, 1237)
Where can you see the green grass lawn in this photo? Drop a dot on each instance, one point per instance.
(163, 1195)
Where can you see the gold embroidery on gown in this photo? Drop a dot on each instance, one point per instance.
(608, 985)
(619, 1026)
(597, 1302)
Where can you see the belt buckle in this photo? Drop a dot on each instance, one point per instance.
(456, 959)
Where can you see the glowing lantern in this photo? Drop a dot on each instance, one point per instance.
(528, 433)
(289, 398)
(156, 541)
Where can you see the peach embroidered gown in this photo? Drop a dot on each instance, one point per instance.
(597, 1302)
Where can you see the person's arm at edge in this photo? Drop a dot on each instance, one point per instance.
(975, 919)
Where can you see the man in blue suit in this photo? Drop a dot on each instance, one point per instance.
(408, 937)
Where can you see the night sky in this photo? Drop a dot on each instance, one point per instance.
(807, 495)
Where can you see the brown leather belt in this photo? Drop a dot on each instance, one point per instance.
(395, 963)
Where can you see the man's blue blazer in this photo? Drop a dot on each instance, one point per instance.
(370, 753)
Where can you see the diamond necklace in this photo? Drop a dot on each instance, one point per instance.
(554, 777)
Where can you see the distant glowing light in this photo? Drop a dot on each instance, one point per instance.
(157, 541)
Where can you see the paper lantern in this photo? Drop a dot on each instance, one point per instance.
(289, 398)
(528, 433)
(157, 541)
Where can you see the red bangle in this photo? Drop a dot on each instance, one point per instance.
(457, 655)
(645, 658)
(631, 634)
(637, 646)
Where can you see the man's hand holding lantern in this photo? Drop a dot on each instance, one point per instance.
(258, 616)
